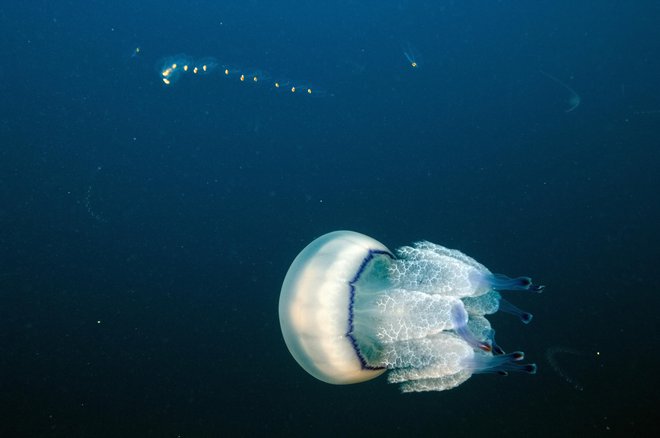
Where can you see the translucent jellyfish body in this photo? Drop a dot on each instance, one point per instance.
(350, 310)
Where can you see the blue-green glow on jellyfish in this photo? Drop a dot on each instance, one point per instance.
(350, 310)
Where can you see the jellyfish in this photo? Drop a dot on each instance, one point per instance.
(351, 310)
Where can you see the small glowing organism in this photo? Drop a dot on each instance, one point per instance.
(174, 67)
(251, 76)
(411, 54)
(350, 310)
(205, 65)
(573, 99)
(231, 72)
(136, 52)
(302, 88)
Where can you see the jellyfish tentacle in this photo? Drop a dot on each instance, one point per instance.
(507, 307)
(497, 350)
(504, 282)
(502, 364)
(459, 319)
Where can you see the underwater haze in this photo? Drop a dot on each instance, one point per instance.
(162, 163)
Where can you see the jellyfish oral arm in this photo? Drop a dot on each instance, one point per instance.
(503, 282)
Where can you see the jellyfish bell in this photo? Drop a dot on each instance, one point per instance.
(350, 309)
(316, 310)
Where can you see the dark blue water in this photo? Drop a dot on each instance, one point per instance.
(145, 229)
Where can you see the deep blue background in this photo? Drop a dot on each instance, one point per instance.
(171, 214)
